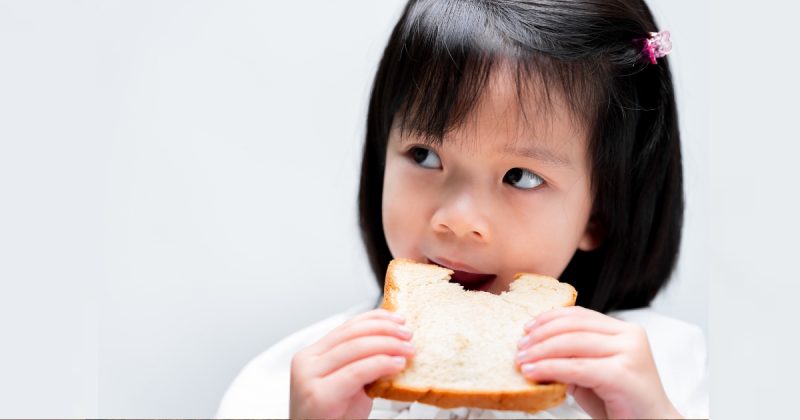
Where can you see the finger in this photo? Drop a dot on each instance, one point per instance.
(351, 379)
(571, 311)
(378, 324)
(577, 344)
(565, 325)
(584, 372)
(360, 348)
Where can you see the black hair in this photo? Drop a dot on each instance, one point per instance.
(436, 66)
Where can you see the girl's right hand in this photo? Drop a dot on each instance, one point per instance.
(328, 377)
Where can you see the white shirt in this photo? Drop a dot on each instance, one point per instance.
(261, 390)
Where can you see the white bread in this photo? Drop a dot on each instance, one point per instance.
(466, 341)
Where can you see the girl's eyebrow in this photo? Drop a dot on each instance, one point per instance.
(539, 153)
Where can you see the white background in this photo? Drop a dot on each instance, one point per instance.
(178, 191)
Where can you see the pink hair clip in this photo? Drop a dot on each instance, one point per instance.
(657, 45)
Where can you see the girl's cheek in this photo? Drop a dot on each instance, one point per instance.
(404, 201)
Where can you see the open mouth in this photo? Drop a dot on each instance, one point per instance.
(468, 280)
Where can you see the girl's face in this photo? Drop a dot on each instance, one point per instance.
(499, 197)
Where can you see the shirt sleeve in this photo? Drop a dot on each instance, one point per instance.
(693, 403)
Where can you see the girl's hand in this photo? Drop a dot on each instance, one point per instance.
(607, 363)
(328, 377)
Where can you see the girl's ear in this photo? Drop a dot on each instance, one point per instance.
(593, 235)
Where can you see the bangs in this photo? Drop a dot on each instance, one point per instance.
(445, 66)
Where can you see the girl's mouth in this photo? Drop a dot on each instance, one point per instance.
(468, 280)
(472, 281)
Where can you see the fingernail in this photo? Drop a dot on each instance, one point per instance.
(404, 332)
(397, 317)
(524, 341)
(530, 324)
(407, 346)
(520, 356)
(398, 360)
(528, 368)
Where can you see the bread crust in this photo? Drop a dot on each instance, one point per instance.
(537, 397)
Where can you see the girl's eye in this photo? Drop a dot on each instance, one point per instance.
(426, 158)
(523, 179)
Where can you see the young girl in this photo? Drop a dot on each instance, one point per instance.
(515, 136)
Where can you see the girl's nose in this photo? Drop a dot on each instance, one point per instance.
(461, 217)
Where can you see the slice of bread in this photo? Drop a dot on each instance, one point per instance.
(466, 341)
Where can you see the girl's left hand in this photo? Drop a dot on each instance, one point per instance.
(607, 363)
